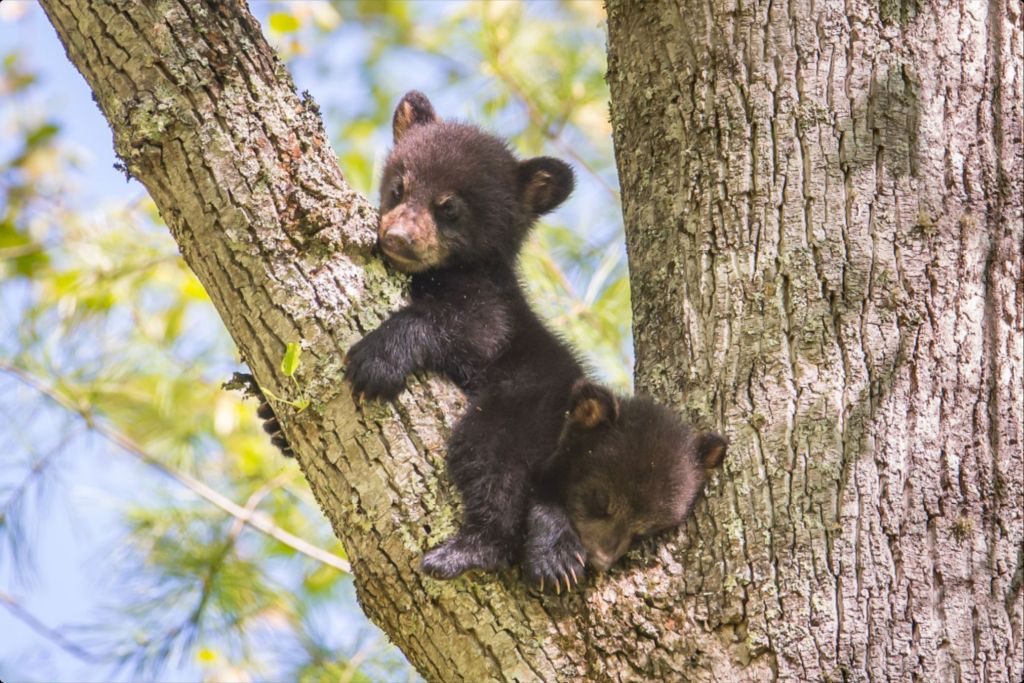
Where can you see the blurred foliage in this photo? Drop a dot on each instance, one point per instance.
(111, 353)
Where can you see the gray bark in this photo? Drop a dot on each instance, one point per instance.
(823, 207)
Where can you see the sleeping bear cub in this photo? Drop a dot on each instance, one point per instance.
(623, 469)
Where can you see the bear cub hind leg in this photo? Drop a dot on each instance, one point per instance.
(463, 552)
(484, 462)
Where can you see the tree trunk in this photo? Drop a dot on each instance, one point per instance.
(828, 199)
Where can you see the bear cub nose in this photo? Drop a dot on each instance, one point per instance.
(397, 242)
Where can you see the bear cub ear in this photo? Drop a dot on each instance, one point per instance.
(414, 110)
(592, 405)
(711, 450)
(544, 183)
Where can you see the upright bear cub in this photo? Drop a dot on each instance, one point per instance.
(623, 469)
(456, 206)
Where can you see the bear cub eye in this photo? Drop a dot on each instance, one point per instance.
(597, 505)
(397, 190)
(448, 209)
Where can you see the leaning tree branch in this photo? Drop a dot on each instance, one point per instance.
(207, 119)
(14, 606)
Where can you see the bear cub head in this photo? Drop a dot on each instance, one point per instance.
(452, 194)
(627, 468)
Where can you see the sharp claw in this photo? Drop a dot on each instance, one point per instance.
(580, 559)
(542, 584)
(574, 579)
(558, 587)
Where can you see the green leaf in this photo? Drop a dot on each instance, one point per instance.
(41, 135)
(290, 362)
(282, 22)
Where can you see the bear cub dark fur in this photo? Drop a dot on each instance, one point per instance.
(456, 205)
(623, 469)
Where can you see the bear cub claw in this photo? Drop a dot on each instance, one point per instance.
(562, 566)
(371, 372)
(554, 555)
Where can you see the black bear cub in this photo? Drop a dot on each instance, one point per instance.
(623, 469)
(554, 470)
(456, 205)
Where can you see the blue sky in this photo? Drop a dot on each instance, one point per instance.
(63, 589)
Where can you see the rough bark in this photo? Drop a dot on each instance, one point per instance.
(823, 207)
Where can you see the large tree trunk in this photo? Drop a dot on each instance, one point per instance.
(823, 206)
(853, 323)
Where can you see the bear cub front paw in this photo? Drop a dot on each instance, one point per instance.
(554, 556)
(371, 372)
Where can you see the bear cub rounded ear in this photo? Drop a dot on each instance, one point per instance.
(414, 110)
(592, 405)
(711, 450)
(544, 183)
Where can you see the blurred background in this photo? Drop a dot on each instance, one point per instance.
(124, 467)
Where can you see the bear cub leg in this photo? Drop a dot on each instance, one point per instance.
(482, 462)
(463, 552)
